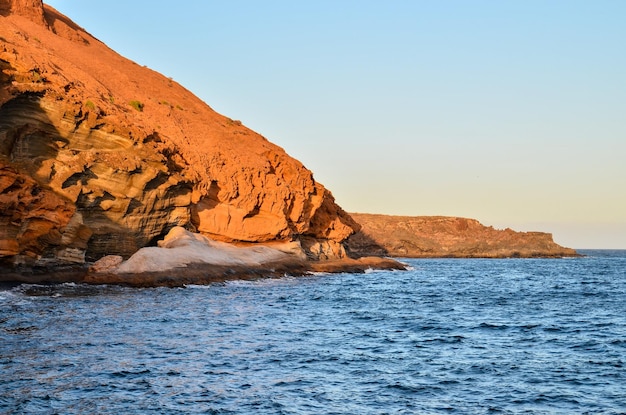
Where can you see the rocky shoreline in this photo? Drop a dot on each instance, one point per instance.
(196, 274)
(184, 258)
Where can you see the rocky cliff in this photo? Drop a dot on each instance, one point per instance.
(439, 236)
(100, 156)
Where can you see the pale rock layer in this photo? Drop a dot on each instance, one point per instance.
(181, 248)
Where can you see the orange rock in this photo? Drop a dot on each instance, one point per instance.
(34, 220)
(31, 9)
(135, 153)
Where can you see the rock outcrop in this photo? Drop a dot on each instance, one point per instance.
(100, 156)
(439, 236)
(36, 222)
(181, 248)
(30, 9)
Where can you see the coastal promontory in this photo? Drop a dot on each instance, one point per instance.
(447, 237)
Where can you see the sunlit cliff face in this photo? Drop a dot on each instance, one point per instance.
(135, 154)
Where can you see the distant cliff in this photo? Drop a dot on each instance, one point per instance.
(99, 156)
(439, 236)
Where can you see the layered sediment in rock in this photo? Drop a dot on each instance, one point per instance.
(439, 236)
(36, 222)
(121, 154)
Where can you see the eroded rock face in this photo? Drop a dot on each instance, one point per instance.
(135, 154)
(31, 9)
(439, 236)
(127, 194)
(35, 221)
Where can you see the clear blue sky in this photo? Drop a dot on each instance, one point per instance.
(509, 112)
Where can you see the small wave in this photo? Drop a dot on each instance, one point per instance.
(130, 373)
(447, 382)
(553, 329)
(200, 286)
(319, 273)
(7, 295)
(267, 282)
(20, 330)
(15, 296)
(490, 326)
(428, 389)
(444, 340)
(292, 382)
(609, 363)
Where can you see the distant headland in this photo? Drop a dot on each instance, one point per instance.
(447, 237)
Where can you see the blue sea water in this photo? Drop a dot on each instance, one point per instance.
(450, 336)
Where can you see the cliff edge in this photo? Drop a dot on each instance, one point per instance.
(101, 156)
(441, 236)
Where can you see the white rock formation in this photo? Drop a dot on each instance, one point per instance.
(181, 248)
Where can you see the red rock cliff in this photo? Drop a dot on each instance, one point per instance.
(129, 153)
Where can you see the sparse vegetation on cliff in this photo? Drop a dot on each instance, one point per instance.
(138, 105)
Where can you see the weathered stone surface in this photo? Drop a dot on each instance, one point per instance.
(107, 263)
(30, 9)
(35, 221)
(439, 236)
(201, 274)
(181, 248)
(134, 154)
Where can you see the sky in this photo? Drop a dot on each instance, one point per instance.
(510, 112)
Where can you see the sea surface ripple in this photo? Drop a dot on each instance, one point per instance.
(450, 336)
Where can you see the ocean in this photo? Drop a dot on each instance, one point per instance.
(449, 336)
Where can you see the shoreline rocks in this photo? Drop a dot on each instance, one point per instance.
(183, 258)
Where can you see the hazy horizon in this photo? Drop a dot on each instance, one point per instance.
(511, 113)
